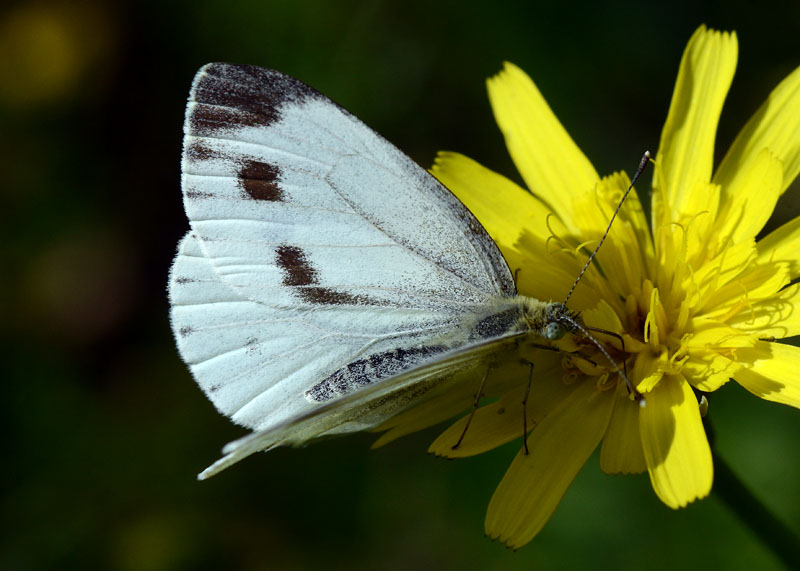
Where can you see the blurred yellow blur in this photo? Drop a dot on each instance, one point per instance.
(47, 50)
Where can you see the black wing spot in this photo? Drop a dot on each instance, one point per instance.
(298, 271)
(194, 194)
(259, 180)
(200, 151)
(327, 296)
(366, 371)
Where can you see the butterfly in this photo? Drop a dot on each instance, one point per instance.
(328, 282)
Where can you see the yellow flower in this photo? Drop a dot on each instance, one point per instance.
(697, 300)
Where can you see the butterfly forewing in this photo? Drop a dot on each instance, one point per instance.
(285, 188)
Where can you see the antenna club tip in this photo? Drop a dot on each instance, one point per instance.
(647, 154)
(642, 402)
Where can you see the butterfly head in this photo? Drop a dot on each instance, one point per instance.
(551, 321)
(559, 321)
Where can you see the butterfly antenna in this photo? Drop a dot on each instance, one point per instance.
(637, 174)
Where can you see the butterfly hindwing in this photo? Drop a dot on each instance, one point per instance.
(261, 365)
(369, 407)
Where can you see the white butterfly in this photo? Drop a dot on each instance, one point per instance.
(327, 282)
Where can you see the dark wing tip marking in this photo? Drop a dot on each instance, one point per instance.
(259, 180)
(230, 96)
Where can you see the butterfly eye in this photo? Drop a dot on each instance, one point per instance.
(554, 331)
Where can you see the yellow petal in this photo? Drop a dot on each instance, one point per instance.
(772, 374)
(535, 483)
(552, 165)
(710, 334)
(782, 245)
(775, 126)
(500, 422)
(686, 152)
(760, 282)
(675, 445)
(501, 206)
(648, 368)
(725, 268)
(777, 316)
(708, 370)
(750, 197)
(547, 272)
(622, 446)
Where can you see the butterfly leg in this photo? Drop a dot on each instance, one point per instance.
(475, 404)
(525, 408)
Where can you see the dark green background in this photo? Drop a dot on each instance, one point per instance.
(102, 425)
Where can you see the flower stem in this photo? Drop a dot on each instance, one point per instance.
(774, 533)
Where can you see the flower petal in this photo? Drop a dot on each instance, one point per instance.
(547, 272)
(782, 245)
(777, 316)
(675, 444)
(756, 284)
(686, 152)
(725, 268)
(772, 375)
(622, 446)
(535, 483)
(750, 197)
(648, 368)
(552, 165)
(710, 334)
(775, 126)
(708, 370)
